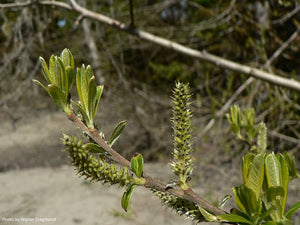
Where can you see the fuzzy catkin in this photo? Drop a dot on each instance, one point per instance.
(181, 121)
(181, 206)
(93, 168)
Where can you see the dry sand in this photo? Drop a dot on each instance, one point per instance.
(39, 187)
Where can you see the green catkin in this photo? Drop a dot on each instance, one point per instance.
(181, 206)
(93, 168)
(181, 124)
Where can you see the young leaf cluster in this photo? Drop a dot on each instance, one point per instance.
(60, 77)
(261, 199)
(182, 163)
(242, 123)
(89, 94)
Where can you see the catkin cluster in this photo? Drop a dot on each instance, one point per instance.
(92, 167)
(182, 161)
(181, 206)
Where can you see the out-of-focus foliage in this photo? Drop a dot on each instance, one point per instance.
(248, 32)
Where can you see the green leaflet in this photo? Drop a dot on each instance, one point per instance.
(234, 119)
(284, 171)
(248, 118)
(208, 216)
(67, 58)
(292, 210)
(126, 197)
(246, 163)
(59, 98)
(224, 201)
(45, 71)
(233, 219)
(245, 199)
(273, 170)
(116, 132)
(256, 174)
(293, 172)
(89, 94)
(95, 148)
(137, 164)
(60, 77)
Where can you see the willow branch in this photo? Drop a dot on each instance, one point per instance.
(151, 183)
(202, 55)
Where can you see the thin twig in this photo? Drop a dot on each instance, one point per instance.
(150, 182)
(287, 16)
(279, 51)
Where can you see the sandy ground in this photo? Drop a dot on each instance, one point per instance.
(39, 187)
(58, 196)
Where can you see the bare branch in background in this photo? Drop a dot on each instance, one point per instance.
(283, 47)
(202, 55)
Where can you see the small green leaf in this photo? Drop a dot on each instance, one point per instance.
(246, 163)
(116, 132)
(78, 85)
(208, 216)
(39, 83)
(64, 77)
(256, 174)
(59, 98)
(70, 76)
(224, 201)
(293, 172)
(84, 89)
(233, 219)
(95, 148)
(246, 200)
(92, 91)
(137, 164)
(58, 74)
(126, 197)
(292, 210)
(45, 70)
(52, 69)
(273, 170)
(284, 179)
(97, 98)
(67, 58)
(81, 110)
(238, 199)
(234, 119)
(89, 73)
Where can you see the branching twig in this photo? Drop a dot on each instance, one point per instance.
(283, 47)
(150, 182)
(203, 55)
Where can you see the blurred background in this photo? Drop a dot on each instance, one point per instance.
(138, 76)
